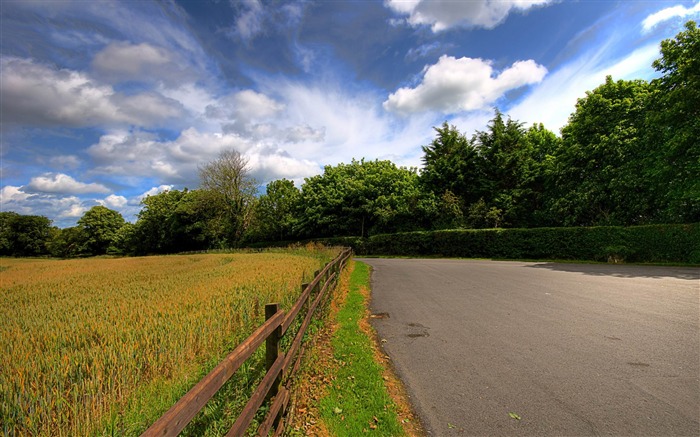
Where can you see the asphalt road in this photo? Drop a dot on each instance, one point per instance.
(570, 349)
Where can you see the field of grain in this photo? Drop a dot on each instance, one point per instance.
(98, 346)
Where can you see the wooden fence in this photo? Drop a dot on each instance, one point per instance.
(280, 365)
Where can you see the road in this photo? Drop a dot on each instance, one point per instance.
(569, 349)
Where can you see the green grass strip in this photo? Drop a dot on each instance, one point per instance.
(357, 401)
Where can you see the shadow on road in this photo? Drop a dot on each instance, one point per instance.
(624, 271)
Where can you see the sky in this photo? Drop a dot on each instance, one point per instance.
(106, 102)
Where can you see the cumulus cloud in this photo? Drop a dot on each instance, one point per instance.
(442, 15)
(669, 13)
(64, 209)
(39, 95)
(113, 201)
(462, 84)
(63, 184)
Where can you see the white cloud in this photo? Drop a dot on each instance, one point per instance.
(36, 94)
(667, 14)
(63, 184)
(462, 84)
(442, 15)
(113, 201)
(65, 209)
(245, 106)
(11, 195)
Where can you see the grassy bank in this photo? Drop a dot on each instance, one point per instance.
(346, 387)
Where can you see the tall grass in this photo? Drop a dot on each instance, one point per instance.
(107, 345)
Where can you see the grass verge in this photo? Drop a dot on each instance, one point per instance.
(346, 387)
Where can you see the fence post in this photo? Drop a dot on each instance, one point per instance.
(272, 347)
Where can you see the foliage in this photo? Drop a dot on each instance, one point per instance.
(651, 243)
(361, 198)
(674, 120)
(276, 211)
(24, 235)
(105, 346)
(98, 229)
(598, 177)
(232, 188)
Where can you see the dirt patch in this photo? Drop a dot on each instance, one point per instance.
(317, 371)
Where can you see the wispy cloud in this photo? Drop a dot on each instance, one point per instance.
(678, 11)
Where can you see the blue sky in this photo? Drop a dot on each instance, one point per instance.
(107, 102)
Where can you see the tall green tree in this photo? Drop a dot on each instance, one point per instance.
(451, 164)
(674, 126)
(155, 222)
(360, 198)
(276, 211)
(599, 179)
(99, 226)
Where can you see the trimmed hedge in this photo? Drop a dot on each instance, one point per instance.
(652, 243)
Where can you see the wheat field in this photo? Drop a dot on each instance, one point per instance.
(97, 346)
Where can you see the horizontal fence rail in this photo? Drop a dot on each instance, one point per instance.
(280, 365)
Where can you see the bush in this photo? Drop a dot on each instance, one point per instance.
(655, 243)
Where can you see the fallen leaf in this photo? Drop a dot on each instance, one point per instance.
(337, 410)
(514, 416)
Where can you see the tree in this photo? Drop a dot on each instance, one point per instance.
(674, 126)
(99, 227)
(599, 176)
(67, 242)
(276, 211)
(451, 163)
(24, 235)
(228, 178)
(360, 198)
(154, 226)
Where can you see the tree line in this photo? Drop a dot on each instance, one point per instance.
(629, 155)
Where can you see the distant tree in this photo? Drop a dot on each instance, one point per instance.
(452, 164)
(99, 227)
(24, 235)
(276, 211)
(66, 242)
(125, 241)
(229, 179)
(361, 198)
(154, 227)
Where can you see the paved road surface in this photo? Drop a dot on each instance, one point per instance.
(571, 349)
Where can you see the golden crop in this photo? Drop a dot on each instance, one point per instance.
(83, 341)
